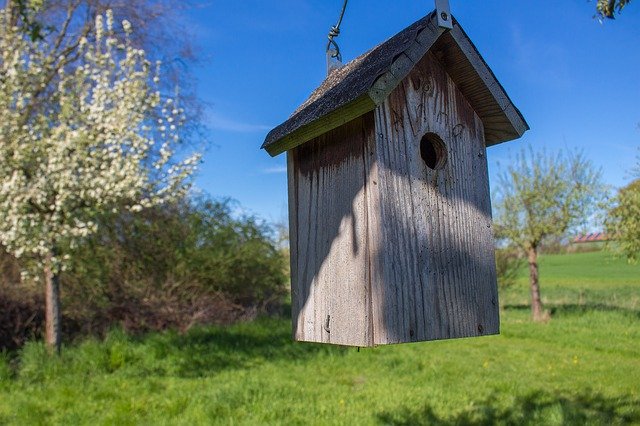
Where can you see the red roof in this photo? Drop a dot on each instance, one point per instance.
(587, 238)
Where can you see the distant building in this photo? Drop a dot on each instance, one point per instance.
(594, 241)
(590, 238)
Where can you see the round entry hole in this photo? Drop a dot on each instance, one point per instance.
(433, 151)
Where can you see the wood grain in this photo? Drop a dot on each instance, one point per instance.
(432, 268)
(404, 62)
(384, 249)
(330, 248)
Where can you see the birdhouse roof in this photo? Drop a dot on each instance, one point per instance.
(365, 82)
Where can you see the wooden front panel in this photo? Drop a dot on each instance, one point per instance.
(329, 239)
(433, 270)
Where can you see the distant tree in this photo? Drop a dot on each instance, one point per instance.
(608, 8)
(623, 221)
(542, 196)
(101, 139)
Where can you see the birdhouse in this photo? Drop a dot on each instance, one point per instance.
(389, 205)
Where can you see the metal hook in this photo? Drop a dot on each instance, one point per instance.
(333, 50)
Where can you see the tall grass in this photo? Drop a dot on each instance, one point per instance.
(5, 370)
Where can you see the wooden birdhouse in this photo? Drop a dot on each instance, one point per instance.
(389, 206)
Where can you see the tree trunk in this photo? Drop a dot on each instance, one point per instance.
(52, 306)
(12, 12)
(537, 311)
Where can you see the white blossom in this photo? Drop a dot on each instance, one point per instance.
(89, 149)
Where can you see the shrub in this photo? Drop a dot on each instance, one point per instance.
(21, 314)
(508, 263)
(5, 369)
(174, 266)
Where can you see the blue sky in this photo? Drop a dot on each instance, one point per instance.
(576, 81)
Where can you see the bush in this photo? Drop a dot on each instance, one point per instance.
(174, 266)
(589, 247)
(553, 246)
(508, 264)
(6, 372)
(21, 315)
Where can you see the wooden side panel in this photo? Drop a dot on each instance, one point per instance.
(329, 238)
(433, 271)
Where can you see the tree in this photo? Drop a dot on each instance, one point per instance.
(542, 196)
(159, 32)
(102, 139)
(608, 8)
(623, 221)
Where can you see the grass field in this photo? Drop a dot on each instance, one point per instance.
(582, 367)
(594, 279)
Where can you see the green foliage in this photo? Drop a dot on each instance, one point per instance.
(171, 266)
(508, 263)
(5, 370)
(174, 266)
(234, 255)
(608, 8)
(545, 195)
(623, 221)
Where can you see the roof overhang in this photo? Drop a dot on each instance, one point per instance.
(365, 83)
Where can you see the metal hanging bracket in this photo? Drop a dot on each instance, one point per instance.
(334, 57)
(444, 14)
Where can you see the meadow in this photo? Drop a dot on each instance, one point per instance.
(581, 367)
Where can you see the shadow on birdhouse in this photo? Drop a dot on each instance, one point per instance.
(389, 205)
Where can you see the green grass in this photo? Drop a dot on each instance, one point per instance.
(598, 269)
(582, 367)
(594, 279)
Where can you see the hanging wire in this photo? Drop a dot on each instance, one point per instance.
(335, 32)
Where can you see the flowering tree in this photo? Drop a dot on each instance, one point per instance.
(101, 140)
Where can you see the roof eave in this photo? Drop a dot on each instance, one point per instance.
(505, 122)
(278, 142)
(502, 120)
(330, 121)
